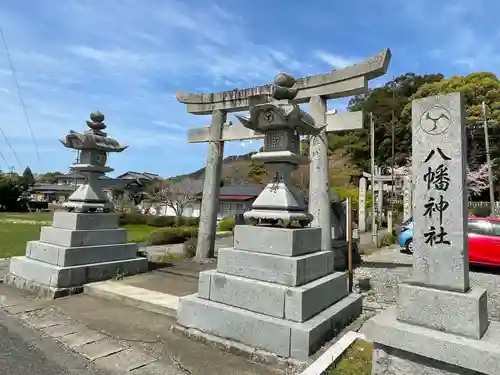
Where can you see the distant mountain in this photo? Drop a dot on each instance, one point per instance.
(235, 167)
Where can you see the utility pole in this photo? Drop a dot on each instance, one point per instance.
(11, 172)
(488, 161)
(372, 157)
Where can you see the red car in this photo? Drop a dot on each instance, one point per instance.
(484, 240)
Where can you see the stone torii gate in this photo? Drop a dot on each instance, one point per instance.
(315, 90)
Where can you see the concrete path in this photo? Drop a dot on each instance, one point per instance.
(120, 339)
(23, 351)
(157, 291)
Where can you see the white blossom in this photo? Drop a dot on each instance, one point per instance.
(477, 180)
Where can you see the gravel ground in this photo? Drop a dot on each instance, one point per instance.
(388, 267)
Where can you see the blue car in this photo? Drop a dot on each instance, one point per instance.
(405, 235)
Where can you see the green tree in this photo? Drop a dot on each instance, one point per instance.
(10, 193)
(476, 87)
(394, 96)
(28, 177)
(257, 173)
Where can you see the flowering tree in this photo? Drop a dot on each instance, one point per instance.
(175, 194)
(477, 180)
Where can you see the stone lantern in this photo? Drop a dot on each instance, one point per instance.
(280, 203)
(94, 146)
(84, 243)
(275, 290)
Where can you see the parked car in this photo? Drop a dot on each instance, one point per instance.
(404, 234)
(484, 239)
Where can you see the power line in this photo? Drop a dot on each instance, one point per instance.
(3, 158)
(11, 148)
(23, 105)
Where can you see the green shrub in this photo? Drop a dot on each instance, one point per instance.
(226, 224)
(132, 218)
(388, 239)
(172, 235)
(480, 211)
(172, 221)
(160, 221)
(191, 221)
(190, 247)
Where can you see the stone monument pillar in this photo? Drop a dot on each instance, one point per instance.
(276, 289)
(440, 324)
(84, 243)
(407, 197)
(362, 205)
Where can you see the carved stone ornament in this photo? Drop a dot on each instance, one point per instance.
(94, 145)
(281, 203)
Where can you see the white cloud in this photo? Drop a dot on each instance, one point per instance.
(168, 125)
(336, 61)
(127, 60)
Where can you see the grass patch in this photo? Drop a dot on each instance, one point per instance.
(138, 232)
(28, 216)
(13, 238)
(356, 360)
(169, 258)
(18, 228)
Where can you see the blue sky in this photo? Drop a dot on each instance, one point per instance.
(128, 57)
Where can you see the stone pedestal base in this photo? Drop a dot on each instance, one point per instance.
(274, 291)
(403, 348)
(285, 338)
(79, 248)
(51, 281)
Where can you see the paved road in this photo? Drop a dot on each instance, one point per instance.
(24, 352)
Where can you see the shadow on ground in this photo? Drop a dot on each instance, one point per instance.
(485, 269)
(369, 264)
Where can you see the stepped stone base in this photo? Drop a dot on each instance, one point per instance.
(79, 248)
(279, 269)
(52, 281)
(282, 337)
(403, 348)
(272, 292)
(433, 331)
(296, 304)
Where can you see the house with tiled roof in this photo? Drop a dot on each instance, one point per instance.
(233, 199)
(66, 184)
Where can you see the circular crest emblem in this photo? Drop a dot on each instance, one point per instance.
(435, 120)
(268, 115)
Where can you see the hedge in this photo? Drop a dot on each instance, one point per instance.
(226, 224)
(132, 218)
(158, 221)
(172, 235)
